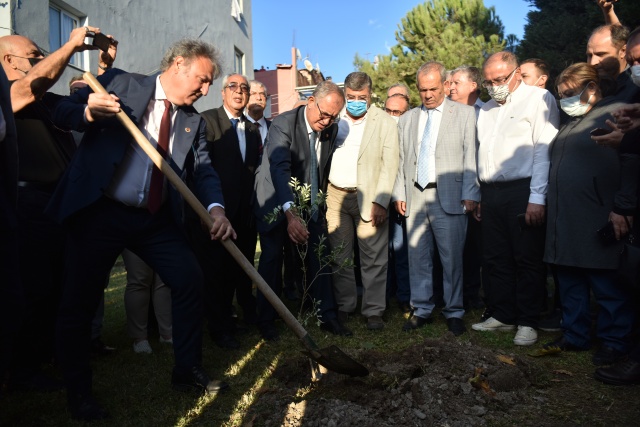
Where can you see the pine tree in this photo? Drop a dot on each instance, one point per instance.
(454, 32)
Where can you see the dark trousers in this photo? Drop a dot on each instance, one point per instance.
(41, 248)
(97, 235)
(512, 255)
(11, 298)
(472, 260)
(270, 268)
(223, 275)
(398, 270)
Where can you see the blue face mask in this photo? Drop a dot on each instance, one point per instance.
(356, 108)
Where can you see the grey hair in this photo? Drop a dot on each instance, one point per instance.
(404, 87)
(191, 49)
(430, 66)
(505, 56)
(473, 74)
(257, 83)
(225, 79)
(325, 88)
(358, 81)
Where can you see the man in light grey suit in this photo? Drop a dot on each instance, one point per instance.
(435, 187)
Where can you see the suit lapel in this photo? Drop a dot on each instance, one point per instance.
(414, 130)
(184, 131)
(138, 95)
(447, 115)
(372, 117)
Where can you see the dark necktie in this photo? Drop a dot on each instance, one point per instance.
(258, 126)
(157, 178)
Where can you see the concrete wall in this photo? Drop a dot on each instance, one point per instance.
(145, 29)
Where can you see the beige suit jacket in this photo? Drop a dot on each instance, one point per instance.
(377, 161)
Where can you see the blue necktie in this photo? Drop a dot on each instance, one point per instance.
(313, 175)
(234, 122)
(423, 178)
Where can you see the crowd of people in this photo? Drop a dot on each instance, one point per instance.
(452, 205)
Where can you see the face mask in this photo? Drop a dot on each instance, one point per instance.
(500, 93)
(572, 105)
(356, 108)
(635, 75)
(396, 118)
(535, 83)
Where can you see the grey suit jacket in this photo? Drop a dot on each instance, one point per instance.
(456, 173)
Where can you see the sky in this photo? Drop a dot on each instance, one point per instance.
(331, 32)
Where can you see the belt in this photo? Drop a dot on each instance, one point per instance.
(429, 185)
(345, 189)
(40, 186)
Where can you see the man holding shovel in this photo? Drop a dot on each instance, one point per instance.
(112, 197)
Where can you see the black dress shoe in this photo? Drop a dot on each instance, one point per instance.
(335, 327)
(269, 332)
(625, 372)
(196, 379)
(85, 407)
(404, 307)
(416, 322)
(226, 341)
(456, 326)
(607, 356)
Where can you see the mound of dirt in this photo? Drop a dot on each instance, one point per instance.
(444, 382)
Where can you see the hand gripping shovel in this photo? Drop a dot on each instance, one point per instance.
(331, 357)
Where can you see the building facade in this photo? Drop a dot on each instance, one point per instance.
(143, 28)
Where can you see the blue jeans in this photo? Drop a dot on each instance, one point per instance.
(615, 317)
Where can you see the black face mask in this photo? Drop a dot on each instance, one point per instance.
(34, 61)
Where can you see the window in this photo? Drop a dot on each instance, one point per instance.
(61, 23)
(238, 62)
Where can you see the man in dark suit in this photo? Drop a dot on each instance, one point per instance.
(299, 145)
(255, 107)
(10, 289)
(112, 197)
(234, 145)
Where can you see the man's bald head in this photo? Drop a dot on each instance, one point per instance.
(15, 52)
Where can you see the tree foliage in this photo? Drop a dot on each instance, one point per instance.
(454, 32)
(558, 31)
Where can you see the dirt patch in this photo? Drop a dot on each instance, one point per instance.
(443, 382)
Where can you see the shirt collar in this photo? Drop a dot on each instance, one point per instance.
(439, 108)
(306, 122)
(160, 95)
(231, 116)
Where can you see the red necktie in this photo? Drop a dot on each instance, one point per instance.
(157, 178)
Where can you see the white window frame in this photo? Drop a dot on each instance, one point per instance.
(81, 59)
(238, 60)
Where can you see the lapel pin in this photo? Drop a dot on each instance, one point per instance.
(187, 130)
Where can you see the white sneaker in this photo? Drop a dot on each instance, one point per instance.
(142, 347)
(525, 336)
(492, 324)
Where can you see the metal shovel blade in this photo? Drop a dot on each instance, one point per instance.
(338, 361)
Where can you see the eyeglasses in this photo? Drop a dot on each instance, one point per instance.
(499, 81)
(235, 86)
(395, 113)
(325, 116)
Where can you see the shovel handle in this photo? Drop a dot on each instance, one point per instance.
(191, 199)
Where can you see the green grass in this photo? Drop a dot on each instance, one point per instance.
(135, 388)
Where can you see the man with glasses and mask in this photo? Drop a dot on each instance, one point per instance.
(44, 154)
(234, 145)
(515, 128)
(299, 145)
(363, 171)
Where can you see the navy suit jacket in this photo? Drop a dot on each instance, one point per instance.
(287, 155)
(8, 156)
(105, 142)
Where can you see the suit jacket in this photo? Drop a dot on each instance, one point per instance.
(456, 173)
(236, 175)
(377, 161)
(287, 155)
(105, 142)
(8, 156)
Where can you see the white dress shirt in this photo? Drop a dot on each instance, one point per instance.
(514, 139)
(242, 138)
(344, 163)
(436, 118)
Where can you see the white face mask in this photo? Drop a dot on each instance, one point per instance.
(572, 105)
(396, 118)
(635, 74)
(535, 83)
(500, 93)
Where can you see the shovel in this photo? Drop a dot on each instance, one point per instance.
(331, 357)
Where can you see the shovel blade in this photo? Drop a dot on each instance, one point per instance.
(338, 361)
